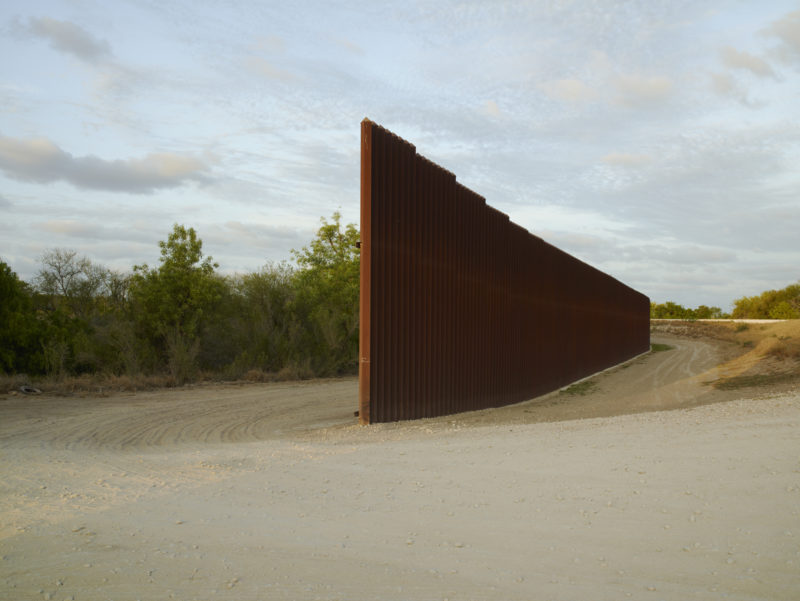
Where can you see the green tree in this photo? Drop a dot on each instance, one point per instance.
(326, 299)
(171, 302)
(668, 310)
(770, 304)
(704, 312)
(784, 310)
(71, 292)
(71, 281)
(671, 310)
(20, 330)
(115, 337)
(265, 317)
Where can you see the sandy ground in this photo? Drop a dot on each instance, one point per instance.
(654, 486)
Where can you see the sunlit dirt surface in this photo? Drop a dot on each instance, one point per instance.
(651, 485)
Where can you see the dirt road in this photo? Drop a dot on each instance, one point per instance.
(246, 413)
(273, 492)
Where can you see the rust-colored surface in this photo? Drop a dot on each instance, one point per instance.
(365, 288)
(461, 309)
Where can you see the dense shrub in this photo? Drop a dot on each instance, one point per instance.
(670, 310)
(182, 319)
(771, 304)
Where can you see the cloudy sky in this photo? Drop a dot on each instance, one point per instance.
(657, 140)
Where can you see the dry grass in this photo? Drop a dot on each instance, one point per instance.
(14, 382)
(288, 373)
(723, 330)
(756, 380)
(105, 384)
(765, 354)
(94, 385)
(785, 351)
(746, 335)
(295, 371)
(781, 339)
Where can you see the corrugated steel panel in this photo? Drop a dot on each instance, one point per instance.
(461, 309)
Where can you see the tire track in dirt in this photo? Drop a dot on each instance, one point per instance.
(674, 381)
(656, 381)
(237, 414)
(209, 415)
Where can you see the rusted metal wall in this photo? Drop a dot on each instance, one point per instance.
(462, 309)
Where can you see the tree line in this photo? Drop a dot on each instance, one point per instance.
(181, 318)
(771, 304)
(671, 310)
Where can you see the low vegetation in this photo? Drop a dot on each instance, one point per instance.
(581, 388)
(657, 347)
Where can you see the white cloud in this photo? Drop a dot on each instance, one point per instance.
(787, 29)
(270, 43)
(70, 38)
(736, 59)
(725, 85)
(569, 90)
(69, 227)
(349, 46)
(626, 160)
(690, 254)
(636, 90)
(40, 160)
(253, 234)
(492, 108)
(261, 66)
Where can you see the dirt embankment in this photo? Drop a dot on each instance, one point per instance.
(674, 476)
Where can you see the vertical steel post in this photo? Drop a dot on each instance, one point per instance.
(365, 289)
